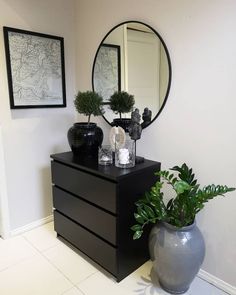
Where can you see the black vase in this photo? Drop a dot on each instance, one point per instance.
(124, 123)
(84, 139)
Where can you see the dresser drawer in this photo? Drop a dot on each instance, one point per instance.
(93, 218)
(95, 248)
(92, 188)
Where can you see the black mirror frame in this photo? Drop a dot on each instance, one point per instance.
(168, 59)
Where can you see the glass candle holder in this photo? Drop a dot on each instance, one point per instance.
(125, 155)
(105, 155)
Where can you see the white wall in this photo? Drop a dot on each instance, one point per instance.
(198, 123)
(31, 135)
(4, 210)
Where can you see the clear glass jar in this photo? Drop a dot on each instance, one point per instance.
(105, 155)
(125, 155)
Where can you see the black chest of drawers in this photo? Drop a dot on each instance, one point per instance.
(94, 208)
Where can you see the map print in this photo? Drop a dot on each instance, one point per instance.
(106, 72)
(36, 69)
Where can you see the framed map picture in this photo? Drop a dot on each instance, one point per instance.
(106, 71)
(35, 68)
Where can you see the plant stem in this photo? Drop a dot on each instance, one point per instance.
(89, 118)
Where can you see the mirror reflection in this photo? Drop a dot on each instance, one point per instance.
(133, 58)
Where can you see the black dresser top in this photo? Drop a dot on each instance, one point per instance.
(110, 172)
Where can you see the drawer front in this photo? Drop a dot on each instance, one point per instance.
(94, 189)
(93, 218)
(95, 248)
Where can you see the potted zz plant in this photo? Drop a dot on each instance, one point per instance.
(120, 103)
(85, 137)
(176, 244)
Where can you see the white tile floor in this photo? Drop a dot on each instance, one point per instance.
(37, 263)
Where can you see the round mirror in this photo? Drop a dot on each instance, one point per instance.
(133, 58)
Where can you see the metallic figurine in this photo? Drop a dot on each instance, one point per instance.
(135, 131)
(135, 128)
(147, 116)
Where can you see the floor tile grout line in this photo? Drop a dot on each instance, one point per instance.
(64, 275)
(31, 244)
(74, 287)
(42, 254)
(92, 274)
(74, 284)
(19, 261)
(43, 250)
(67, 290)
(80, 290)
(77, 288)
(49, 248)
(45, 257)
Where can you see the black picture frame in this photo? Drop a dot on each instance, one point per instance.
(35, 69)
(111, 69)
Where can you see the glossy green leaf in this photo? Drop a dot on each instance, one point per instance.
(149, 211)
(142, 212)
(137, 234)
(181, 186)
(138, 218)
(136, 227)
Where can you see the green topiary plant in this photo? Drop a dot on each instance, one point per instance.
(179, 211)
(121, 102)
(88, 103)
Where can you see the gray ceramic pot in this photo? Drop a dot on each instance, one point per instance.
(177, 255)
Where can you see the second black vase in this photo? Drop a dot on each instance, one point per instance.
(124, 123)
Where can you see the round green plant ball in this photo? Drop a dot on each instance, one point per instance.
(88, 103)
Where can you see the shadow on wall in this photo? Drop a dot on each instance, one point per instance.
(42, 113)
(46, 192)
(46, 179)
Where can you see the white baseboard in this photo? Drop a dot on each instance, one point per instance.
(27, 227)
(217, 282)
